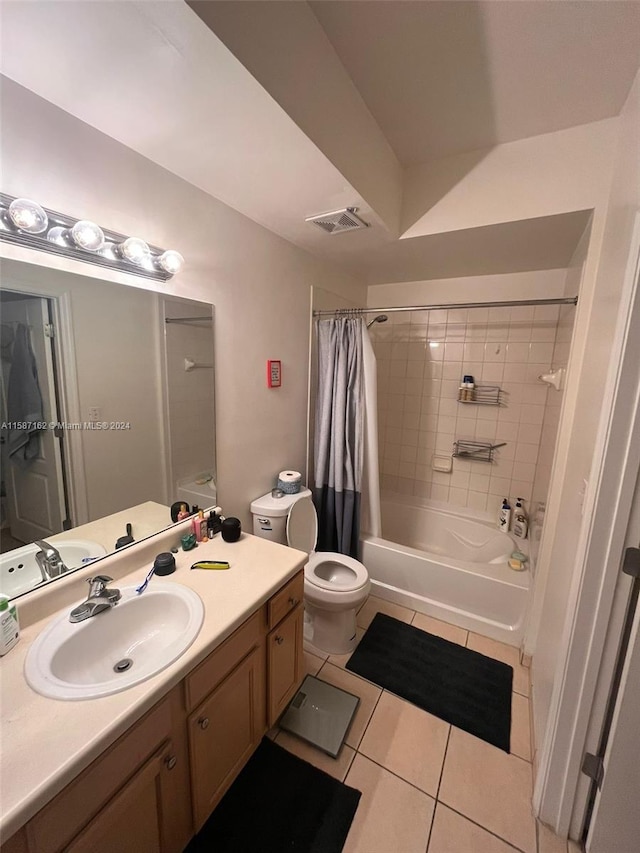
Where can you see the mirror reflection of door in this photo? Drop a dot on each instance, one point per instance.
(33, 502)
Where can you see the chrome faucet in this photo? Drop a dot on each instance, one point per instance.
(49, 561)
(100, 598)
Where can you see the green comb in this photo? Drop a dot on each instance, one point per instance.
(210, 564)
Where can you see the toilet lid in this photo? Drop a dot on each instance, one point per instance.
(302, 525)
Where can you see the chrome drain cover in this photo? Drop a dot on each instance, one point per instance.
(123, 665)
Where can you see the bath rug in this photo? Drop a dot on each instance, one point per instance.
(279, 804)
(462, 687)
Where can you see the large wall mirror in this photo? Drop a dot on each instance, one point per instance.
(122, 380)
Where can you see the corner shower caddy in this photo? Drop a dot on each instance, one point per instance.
(477, 451)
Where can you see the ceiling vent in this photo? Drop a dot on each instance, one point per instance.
(338, 220)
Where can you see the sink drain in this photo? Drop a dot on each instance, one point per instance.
(123, 665)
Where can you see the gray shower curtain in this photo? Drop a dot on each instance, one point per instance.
(339, 431)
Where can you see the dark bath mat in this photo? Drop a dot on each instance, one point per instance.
(462, 687)
(279, 804)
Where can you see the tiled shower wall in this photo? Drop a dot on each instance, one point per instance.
(422, 357)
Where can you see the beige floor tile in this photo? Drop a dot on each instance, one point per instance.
(341, 660)
(336, 767)
(312, 663)
(453, 833)
(507, 654)
(520, 727)
(392, 816)
(375, 605)
(407, 741)
(548, 841)
(368, 693)
(490, 787)
(441, 629)
(314, 650)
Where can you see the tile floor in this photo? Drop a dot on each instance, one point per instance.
(428, 787)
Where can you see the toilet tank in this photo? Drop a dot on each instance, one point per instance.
(270, 515)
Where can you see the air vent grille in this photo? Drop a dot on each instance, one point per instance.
(338, 221)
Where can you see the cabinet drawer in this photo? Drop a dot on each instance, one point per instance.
(69, 812)
(284, 601)
(220, 662)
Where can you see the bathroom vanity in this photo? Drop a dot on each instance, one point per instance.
(143, 769)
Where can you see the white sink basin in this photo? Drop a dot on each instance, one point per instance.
(141, 635)
(19, 571)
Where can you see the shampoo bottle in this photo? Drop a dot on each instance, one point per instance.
(184, 512)
(504, 517)
(9, 628)
(520, 523)
(199, 526)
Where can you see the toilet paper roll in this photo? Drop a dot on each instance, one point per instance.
(290, 482)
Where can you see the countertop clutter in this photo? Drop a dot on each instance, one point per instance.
(46, 743)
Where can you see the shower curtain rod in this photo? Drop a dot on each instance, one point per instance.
(514, 303)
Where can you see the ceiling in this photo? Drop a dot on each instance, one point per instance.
(287, 109)
(441, 78)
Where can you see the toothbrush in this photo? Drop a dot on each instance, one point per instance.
(145, 583)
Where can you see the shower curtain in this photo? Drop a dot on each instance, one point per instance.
(339, 432)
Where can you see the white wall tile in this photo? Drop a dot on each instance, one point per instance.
(419, 413)
(439, 493)
(477, 501)
(541, 352)
(517, 353)
(458, 496)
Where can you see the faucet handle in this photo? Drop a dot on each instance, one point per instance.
(98, 584)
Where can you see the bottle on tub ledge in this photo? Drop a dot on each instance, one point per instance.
(520, 521)
(504, 516)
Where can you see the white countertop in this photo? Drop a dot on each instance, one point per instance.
(45, 743)
(145, 519)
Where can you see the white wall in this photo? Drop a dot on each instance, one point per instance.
(259, 283)
(558, 578)
(539, 176)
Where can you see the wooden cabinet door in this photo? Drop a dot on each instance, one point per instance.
(224, 731)
(284, 651)
(132, 821)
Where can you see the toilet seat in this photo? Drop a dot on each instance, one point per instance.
(342, 573)
(325, 569)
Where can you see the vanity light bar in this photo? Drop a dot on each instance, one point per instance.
(24, 222)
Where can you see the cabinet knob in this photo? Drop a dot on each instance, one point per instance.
(170, 762)
(203, 722)
(279, 640)
(293, 601)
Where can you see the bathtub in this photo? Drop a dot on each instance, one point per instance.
(449, 564)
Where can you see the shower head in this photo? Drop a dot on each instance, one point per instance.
(381, 318)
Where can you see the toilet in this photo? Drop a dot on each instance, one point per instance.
(335, 585)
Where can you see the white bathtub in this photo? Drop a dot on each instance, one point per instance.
(447, 564)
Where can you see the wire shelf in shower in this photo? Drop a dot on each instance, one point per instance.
(476, 451)
(485, 395)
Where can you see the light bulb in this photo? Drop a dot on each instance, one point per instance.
(135, 250)
(59, 236)
(28, 216)
(87, 235)
(171, 261)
